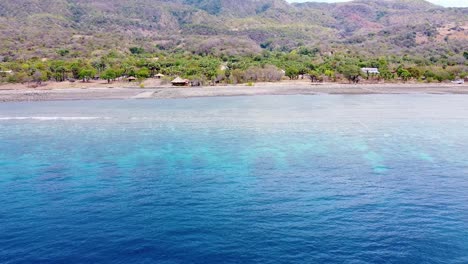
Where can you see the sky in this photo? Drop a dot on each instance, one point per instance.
(447, 3)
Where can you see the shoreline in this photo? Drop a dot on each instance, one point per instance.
(121, 93)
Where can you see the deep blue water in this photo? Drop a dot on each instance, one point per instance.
(296, 179)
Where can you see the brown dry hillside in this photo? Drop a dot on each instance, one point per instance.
(41, 28)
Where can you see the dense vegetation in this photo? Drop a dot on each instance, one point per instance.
(230, 41)
(208, 69)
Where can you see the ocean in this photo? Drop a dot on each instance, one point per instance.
(265, 179)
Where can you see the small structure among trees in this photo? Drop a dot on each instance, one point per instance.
(6, 72)
(370, 72)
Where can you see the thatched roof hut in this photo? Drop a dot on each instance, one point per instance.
(159, 76)
(180, 82)
(131, 79)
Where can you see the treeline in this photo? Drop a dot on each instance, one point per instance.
(269, 66)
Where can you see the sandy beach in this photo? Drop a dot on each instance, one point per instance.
(12, 94)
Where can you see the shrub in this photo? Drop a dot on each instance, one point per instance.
(136, 50)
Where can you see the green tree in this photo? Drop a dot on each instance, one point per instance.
(403, 73)
(314, 76)
(351, 72)
(18, 77)
(292, 72)
(63, 52)
(383, 69)
(86, 74)
(330, 74)
(137, 50)
(153, 67)
(99, 65)
(143, 73)
(58, 70)
(75, 68)
(209, 67)
(109, 75)
(415, 72)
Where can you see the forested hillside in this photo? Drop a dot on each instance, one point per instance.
(40, 28)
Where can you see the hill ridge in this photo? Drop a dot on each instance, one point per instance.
(32, 28)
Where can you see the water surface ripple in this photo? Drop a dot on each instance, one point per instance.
(273, 179)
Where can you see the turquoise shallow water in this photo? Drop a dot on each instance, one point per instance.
(296, 179)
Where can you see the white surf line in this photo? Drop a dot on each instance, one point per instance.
(50, 118)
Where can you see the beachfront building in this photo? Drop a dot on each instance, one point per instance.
(159, 76)
(459, 81)
(370, 72)
(180, 82)
(5, 73)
